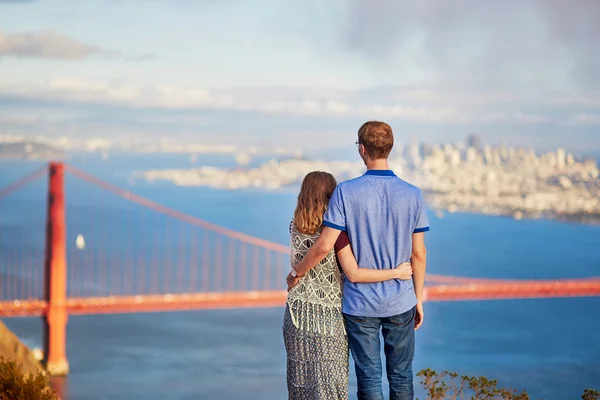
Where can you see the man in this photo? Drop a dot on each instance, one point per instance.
(385, 219)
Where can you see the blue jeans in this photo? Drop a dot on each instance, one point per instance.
(399, 348)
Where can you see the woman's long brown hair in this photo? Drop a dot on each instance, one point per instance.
(317, 188)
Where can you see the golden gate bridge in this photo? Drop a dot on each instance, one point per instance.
(173, 262)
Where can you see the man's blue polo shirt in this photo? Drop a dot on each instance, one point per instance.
(380, 212)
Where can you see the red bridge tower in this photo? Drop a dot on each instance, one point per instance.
(55, 276)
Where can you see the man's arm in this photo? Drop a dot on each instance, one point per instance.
(419, 265)
(317, 252)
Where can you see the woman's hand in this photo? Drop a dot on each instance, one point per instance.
(404, 271)
(291, 281)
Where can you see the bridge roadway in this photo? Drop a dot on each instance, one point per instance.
(256, 299)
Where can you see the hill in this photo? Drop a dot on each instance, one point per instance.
(29, 150)
(12, 348)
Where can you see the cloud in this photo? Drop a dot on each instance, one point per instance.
(526, 70)
(142, 57)
(297, 117)
(294, 102)
(419, 105)
(49, 45)
(465, 43)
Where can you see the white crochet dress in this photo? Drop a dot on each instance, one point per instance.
(313, 329)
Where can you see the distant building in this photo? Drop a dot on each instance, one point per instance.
(471, 154)
(590, 163)
(473, 140)
(414, 154)
(561, 158)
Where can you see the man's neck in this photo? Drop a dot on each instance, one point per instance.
(377, 164)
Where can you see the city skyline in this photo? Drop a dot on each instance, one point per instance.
(302, 74)
(193, 148)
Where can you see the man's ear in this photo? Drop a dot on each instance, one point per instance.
(362, 150)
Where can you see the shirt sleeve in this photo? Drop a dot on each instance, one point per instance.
(335, 216)
(422, 219)
(341, 242)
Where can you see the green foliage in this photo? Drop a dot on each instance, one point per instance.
(14, 385)
(590, 394)
(449, 385)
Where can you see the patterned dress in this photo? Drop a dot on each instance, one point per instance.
(313, 329)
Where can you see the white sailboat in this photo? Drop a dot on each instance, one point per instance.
(80, 242)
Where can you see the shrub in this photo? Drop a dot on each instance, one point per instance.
(448, 385)
(590, 394)
(14, 385)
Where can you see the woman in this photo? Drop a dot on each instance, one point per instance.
(313, 326)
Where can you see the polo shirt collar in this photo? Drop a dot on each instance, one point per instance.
(380, 172)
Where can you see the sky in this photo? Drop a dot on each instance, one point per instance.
(303, 73)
